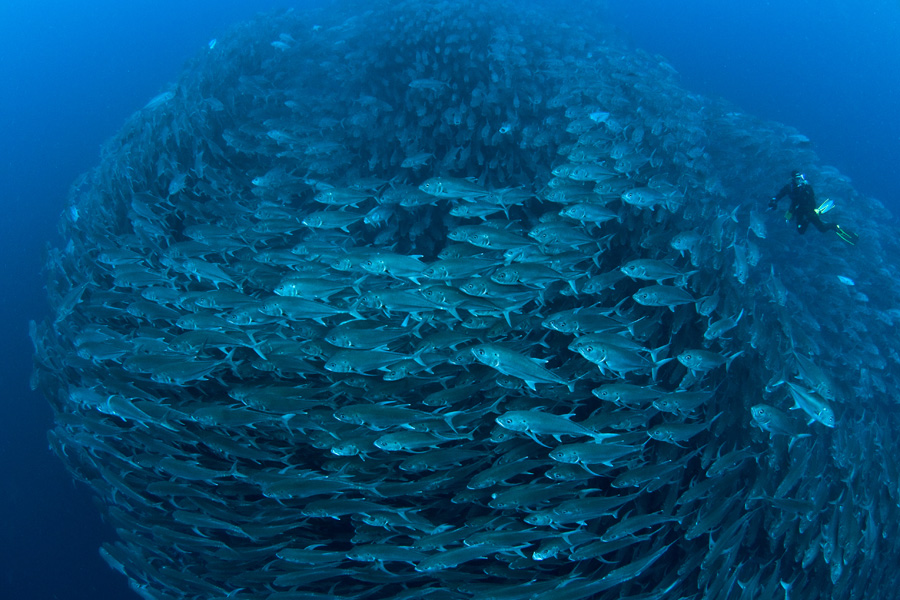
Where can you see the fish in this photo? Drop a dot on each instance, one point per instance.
(631, 525)
(590, 213)
(627, 394)
(532, 275)
(579, 510)
(643, 197)
(342, 197)
(417, 160)
(205, 271)
(653, 270)
(332, 219)
(687, 242)
(394, 265)
(741, 266)
(313, 288)
(377, 417)
(591, 453)
(362, 361)
(674, 432)
(535, 423)
(409, 441)
(681, 402)
(363, 335)
(663, 295)
(297, 309)
(488, 238)
(457, 268)
(453, 188)
(616, 358)
(454, 557)
(511, 363)
(582, 320)
(815, 406)
(776, 422)
(718, 328)
(816, 377)
(627, 572)
(701, 361)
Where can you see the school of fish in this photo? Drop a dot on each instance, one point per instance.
(456, 300)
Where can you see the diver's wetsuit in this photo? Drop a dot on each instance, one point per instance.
(803, 206)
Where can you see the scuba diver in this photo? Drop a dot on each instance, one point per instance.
(803, 208)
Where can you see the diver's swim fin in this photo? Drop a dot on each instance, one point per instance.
(825, 207)
(848, 236)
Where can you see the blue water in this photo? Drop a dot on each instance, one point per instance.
(72, 72)
(827, 67)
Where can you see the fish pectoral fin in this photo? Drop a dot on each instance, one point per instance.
(534, 437)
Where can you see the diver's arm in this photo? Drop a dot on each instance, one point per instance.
(773, 203)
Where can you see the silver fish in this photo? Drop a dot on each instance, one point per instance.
(512, 363)
(535, 423)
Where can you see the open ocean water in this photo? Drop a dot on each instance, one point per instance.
(73, 72)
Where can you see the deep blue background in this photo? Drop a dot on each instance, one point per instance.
(830, 68)
(72, 72)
